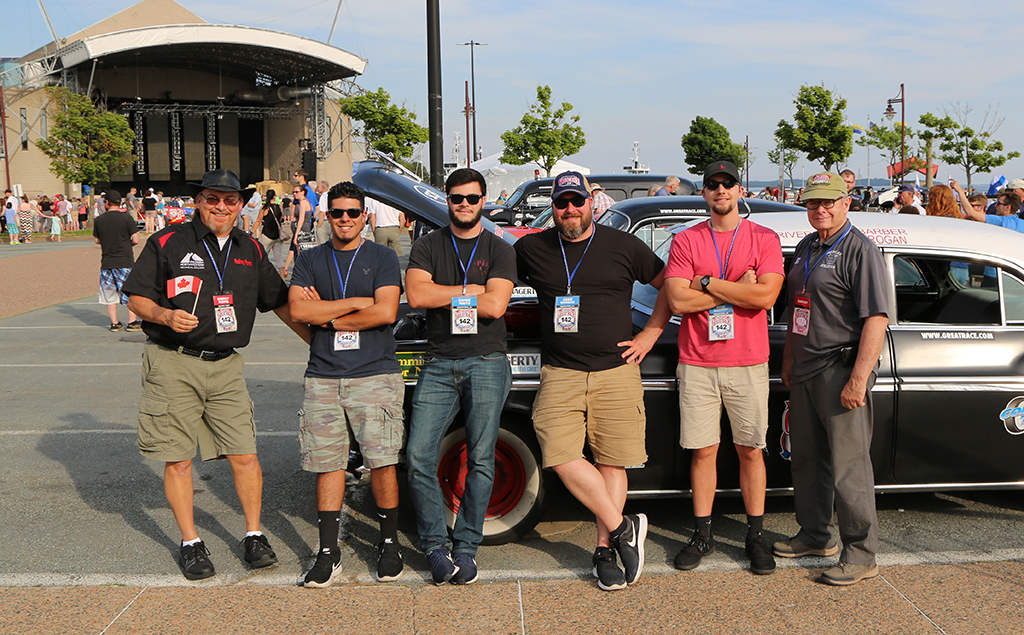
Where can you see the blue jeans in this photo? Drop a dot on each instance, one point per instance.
(478, 386)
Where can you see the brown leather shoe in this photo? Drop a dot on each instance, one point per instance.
(795, 548)
(845, 574)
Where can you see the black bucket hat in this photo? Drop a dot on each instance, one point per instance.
(222, 180)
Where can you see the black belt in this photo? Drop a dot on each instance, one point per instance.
(206, 356)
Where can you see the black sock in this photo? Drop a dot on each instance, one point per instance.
(703, 525)
(388, 523)
(621, 529)
(754, 524)
(329, 523)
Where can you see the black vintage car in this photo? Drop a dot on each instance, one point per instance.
(532, 197)
(949, 400)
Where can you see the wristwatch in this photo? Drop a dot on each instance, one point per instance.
(704, 283)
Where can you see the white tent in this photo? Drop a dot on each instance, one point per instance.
(501, 176)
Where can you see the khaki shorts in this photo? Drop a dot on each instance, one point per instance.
(188, 403)
(605, 408)
(703, 391)
(371, 407)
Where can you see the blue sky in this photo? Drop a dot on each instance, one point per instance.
(641, 71)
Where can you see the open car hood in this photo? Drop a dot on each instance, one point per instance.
(417, 198)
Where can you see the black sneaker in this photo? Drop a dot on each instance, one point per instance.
(258, 552)
(760, 554)
(630, 545)
(691, 555)
(389, 561)
(194, 561)
(116, 327)
(134, 326)
(609, 575)
(442, 568)
(327, 565)
(467, 573)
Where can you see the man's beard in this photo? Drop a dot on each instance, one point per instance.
(463, 224)
(573, 232)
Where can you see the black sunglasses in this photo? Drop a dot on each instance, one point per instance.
(712, 184)
(562, 202)
(354, 212)
(473, 199)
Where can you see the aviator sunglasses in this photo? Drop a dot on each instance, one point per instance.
(562, 202)
(354, 212)
(472, 199)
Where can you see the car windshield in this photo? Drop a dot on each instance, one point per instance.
(543, 221)
(645, 294)
(512, 200)
(614, 219)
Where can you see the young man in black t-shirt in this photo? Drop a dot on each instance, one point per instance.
(347, 290)
(590, 381)
(116, 233)
(464, 277)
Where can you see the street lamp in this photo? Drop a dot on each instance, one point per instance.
(472, 81)
(889, 114)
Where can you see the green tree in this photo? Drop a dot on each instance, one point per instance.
(542, 136)
(708, 141)
(789, 159)
(820, 131)
(85, 145)
(960, 145)
(386, 127)
(889, 143)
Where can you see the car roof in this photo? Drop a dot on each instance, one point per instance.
(891, 230)
(694, 206)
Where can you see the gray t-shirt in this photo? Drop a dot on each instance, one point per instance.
(849, 284)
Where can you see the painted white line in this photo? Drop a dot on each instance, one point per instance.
(123, 610)
(486, 575)
(522, 617)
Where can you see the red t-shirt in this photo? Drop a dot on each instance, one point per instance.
(693, 255)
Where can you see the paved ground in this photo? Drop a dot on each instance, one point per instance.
(87, 542)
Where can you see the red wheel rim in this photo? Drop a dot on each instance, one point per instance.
(509, 479)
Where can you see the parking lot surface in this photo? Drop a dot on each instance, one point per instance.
(89, 544)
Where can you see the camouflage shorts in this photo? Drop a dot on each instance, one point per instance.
(371, 407)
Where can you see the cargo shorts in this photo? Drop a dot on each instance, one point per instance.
(336, 410)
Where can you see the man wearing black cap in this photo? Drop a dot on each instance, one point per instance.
(723, 276)
(590, 381)
(116, 233)
(907, 195)
(197, 287)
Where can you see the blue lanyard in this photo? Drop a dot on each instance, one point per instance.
(344, 283)
(216, 269)
(570, 276)
(465, 269)
(721, 269)
(807, 272)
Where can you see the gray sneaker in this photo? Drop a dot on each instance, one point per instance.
(845, 574)
(795, 548)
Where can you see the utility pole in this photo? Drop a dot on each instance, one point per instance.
(746, 158)
(469, 113)
(434, 94)
(472, 80)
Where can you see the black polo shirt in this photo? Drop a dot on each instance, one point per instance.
(185, 250)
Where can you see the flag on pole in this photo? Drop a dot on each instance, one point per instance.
(858, 129)
(998, 183)
(183, 284)
(871, 125)
(917, 181)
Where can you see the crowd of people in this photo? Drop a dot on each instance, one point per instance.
(24, 216)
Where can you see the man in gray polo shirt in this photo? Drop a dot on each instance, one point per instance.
(838, 306)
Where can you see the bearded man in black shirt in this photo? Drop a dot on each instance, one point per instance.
(197, 287)
(590, 381)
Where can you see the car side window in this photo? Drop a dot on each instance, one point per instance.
(944, 290)
(656, 232)
(1013, 294)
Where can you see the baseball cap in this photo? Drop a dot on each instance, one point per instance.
(570, 182)
(826, 185)
(721, 167)
(1015, 184)
(112, 196)
(906, 187)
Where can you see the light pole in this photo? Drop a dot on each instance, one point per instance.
(889, 114)
(472, 82)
